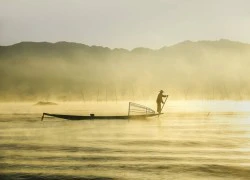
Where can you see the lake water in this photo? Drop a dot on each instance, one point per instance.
(191, 140)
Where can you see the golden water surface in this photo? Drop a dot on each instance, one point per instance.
(191, 140)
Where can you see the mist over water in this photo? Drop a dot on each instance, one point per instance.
(64, 71)
(60, 65)
(192, 140)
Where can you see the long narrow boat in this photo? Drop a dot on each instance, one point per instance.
(133, 108)
(92, 117)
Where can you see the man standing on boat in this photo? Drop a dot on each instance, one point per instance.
(159, 100)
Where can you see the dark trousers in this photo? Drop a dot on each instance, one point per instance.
(159, 107)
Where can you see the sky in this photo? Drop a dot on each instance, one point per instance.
(124, 23)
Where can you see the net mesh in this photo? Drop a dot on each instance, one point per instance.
(137, 109)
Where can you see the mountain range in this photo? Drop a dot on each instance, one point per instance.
(73, 71)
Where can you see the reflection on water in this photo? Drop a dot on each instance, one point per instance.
(192, 140)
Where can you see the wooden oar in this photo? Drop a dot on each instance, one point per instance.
(164, 103)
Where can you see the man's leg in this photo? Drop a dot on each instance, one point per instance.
(159, 108)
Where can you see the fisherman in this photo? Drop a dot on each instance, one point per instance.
(159, 100)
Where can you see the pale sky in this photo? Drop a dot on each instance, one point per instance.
(124, 23)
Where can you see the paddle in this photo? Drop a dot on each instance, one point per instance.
(164, 103)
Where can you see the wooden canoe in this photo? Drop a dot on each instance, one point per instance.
(132, 108)
(92, 116)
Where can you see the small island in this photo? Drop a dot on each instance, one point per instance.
(44, 103)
